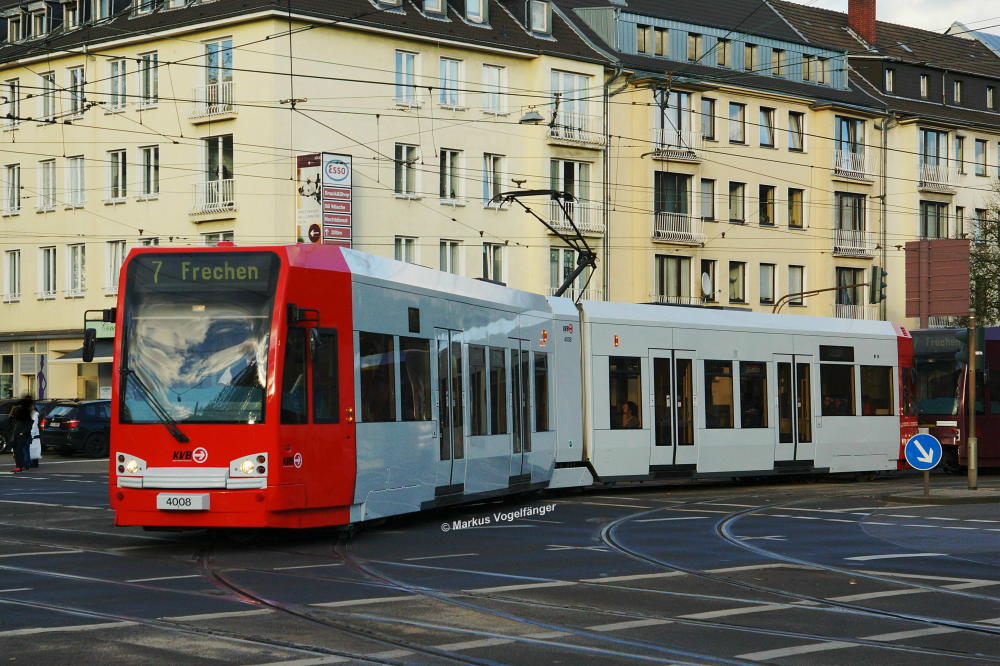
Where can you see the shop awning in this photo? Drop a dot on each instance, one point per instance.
(103, 353)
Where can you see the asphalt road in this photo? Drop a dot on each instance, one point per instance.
(786, 573)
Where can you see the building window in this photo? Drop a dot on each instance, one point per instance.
(46, 185)
(694, 47)
(707, 281)
(149, 241)
(150, 171)
(765, 205)
(796, 284)
(925, 82)
(405, 170)
(737, 281)
(405, 249)
(737, 192)
(573, 178)
(406, 65)
(851, 291)
(571, 94)
(979, 224)
(46, 272)
(12, 275)
(707, 199)
(960, 153)
(749, 57)
(980, 157)
(808, 67)
(117, 84)
(737, 123)
(673, 279)
(114, 255)
(492, 179)
(39, 24)
(796, 208)
(723, 53)
(662, 41)
(822, 67)
(493, 262)
(777, 62)
(12, 189)
(719, 394)
(448, 94)
(14, 32)
(493, 85)
(933, 220)
(449, 253)
(475, 11)
(117, 176)
(850, 211)
(960, 222)
(671, 194)
(708, 118)
(449, 180)
(149, 79)
(71, 16)
(641, 38)
(767, 284)
(214, 238)
(47, 110)
(76, 273)
(796, 131)
(76, 91)
(12, 89)
(956, 92)
(539, 13)
(890, 79)
(75, 184)
(991, 97)
(562, 263)
(766, 127)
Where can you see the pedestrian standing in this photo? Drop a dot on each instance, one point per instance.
(20, 419)
(35, 448)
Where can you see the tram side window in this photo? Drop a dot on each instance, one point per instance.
(498, 391)
(907, 389)
(415, 378)
(378, 377)
(876, 391)
(718, 394)
(541, 392)
(837, 389)
(478, 405)
(753, 395)
(326, 388)
(625, 392)
(293, 384)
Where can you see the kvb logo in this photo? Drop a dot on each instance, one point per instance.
(198, 455)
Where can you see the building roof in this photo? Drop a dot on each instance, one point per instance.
(991, 41)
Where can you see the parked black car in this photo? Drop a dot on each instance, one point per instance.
(5, 407)
(83, 425)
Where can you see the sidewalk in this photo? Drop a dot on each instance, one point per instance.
(946, 496)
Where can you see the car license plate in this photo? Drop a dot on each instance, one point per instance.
(55, 425)
(181, 502)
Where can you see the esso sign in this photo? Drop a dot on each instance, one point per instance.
(337, 171)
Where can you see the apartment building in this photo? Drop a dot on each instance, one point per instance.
(181, 123)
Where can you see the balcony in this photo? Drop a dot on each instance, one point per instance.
(577, 129)
(664, 299)
(584, 216)
(679, 228)
(671, 144)
(213, 101)
(938, 178)
(853, 165)
(589, 294)
(214, 196)
(869, 312)
(851, 243)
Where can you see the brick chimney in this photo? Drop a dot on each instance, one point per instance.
(861, 19)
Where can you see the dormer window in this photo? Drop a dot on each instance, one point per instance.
(434, 6)
(924, 85)
(71, 15)
(890, 79)
(540, 16)
(390, 3)
(475, 11)
(957, 92)
(102, 9)
(39, 24)
(145, 6)
(14, 33)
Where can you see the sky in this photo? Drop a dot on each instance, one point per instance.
(934, 15)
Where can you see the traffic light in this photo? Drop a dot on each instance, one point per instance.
(877, 285)
(962, 354)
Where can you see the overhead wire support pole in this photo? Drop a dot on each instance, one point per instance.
(585, 256)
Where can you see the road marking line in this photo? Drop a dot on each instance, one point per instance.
(745, 506)
(697, 510)
(915, 633)
(18, 589)
(976, 520)
(627, 506)
(754, 567)
(876, 595)
(471, 645)
(42, 552)
(892, 556)
(309, 566)
(615, 626)
(217, 616)
(150, 580)
(75, 627)
(86, 508)
(617, 579)
(362, 602)
(317, 661)
(970, 585)
(742, 610)
(768, 655)
(438, 557)
(933, 518)
(390, 654)
(872, 522)
(893, 574)
(658, 520)
(526, 586)
(956, 527)
(545, 635)
(838, 520)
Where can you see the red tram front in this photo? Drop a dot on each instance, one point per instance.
(232, 397)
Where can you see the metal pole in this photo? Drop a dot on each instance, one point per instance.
(970, 404)
(927, 483)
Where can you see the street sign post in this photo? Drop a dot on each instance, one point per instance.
(923, 452)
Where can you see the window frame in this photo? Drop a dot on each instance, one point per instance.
(737, 123)
(740, 280)
(712, 422)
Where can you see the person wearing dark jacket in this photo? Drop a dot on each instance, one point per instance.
(21, 422)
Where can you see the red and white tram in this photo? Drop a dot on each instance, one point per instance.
(310, 385)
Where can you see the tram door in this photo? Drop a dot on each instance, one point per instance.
(672, 407)
(520, 383)
(449, 401)
(795, 427)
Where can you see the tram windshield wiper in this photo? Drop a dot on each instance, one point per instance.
(168, 421)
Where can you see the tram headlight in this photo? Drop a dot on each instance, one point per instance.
(254, 464)
(132, 466)
(247, 467)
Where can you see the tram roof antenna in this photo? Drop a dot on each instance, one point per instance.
(585, 256)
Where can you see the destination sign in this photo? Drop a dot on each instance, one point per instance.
(242, 270)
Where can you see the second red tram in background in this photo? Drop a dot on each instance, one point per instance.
(308, 385)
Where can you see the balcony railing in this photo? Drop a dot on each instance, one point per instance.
(869, 312)
(214, 196)
(577, 128)
(585, 217)
(676, 144)
(664, 299)
(213, 100)
(590, 294)
(678, 228)
(851, 243)
(938, 176)
(853, 165)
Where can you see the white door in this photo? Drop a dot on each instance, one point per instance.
(794, 400)
(672, 408)
(449, 404)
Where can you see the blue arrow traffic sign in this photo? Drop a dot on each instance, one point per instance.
(923, 452)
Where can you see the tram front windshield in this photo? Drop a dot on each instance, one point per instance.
(196, 337)
(938, 379)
